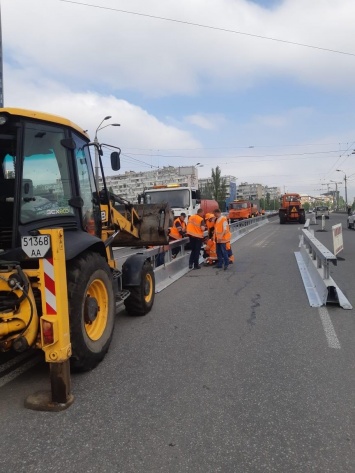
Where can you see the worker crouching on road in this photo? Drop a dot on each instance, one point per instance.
(177, 232)
(195, 228)
(210, 252)
(222, 236)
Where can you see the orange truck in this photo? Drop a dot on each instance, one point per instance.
(242, 209)
(291, 209)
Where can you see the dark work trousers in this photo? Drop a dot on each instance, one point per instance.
(196, 244)
(222, 255)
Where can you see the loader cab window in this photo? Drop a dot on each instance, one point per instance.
(91, 214)
(46, 187)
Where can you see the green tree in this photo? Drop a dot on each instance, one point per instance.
(267, 201)
(218, 187)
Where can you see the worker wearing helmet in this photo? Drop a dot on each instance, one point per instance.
(209, 219)
(222, 236)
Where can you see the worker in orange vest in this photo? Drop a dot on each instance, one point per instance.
(177, 231)
(195, 228)
(210, 251)
(222, 236)
(209, 219)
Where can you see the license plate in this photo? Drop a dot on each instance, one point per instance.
(36, 246)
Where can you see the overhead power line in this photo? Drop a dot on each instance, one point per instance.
(216, 28)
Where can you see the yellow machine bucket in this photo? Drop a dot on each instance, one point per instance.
(141, 225)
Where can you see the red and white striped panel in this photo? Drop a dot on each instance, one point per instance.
(49, 282)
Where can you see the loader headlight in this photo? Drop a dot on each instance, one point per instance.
(3, 119)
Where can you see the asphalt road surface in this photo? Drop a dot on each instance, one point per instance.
(232, 371)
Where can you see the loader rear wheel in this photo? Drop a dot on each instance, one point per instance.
(91, 310)
(141, 298)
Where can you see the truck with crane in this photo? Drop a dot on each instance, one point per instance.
(60, 285)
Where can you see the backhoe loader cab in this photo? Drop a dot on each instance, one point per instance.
(57, 230)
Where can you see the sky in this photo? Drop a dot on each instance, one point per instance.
(264, 89)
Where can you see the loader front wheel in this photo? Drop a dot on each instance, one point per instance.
(91, 310)
(141, 298)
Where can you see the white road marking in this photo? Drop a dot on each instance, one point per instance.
(17, 359)
(17, 372)
(332, 338)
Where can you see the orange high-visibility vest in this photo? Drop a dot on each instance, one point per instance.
(174, 230)
(194, 226)
(222, 233)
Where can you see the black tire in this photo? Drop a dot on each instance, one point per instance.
(141, 299)
(91, 310)
(282, 218)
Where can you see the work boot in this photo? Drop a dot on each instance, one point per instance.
(197, 267)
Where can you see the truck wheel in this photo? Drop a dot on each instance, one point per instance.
(91, 310)
(141, 298)
(282, 219)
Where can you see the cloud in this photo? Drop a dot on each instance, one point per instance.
(90, 46)
(175, 86)
(206, 122)
(138, 128)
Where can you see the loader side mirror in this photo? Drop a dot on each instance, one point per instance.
(115, 161)
(68, 143)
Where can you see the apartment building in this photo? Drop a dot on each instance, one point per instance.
(130, 184)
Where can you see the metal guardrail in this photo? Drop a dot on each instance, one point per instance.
(241, 228)
(313, 261)
(168, 268)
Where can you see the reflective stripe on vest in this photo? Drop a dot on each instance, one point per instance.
(194, 226)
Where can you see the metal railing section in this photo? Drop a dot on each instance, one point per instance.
(313, 261)
(241, 228)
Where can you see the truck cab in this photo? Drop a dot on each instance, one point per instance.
(180, 198)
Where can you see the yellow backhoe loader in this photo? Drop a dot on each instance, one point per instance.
(59, 282)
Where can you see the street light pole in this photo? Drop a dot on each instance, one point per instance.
(336, 194)
(346, 190)
(96, 141)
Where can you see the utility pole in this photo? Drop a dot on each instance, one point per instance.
(1, 69)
